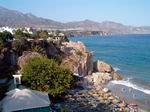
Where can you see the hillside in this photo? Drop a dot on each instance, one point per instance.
(17, 19)
(14, 18)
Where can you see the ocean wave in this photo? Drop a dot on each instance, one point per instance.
(116, 69)
(130, 84)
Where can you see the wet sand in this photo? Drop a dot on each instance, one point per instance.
(131, 96)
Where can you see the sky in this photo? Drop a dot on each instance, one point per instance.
(128, 12)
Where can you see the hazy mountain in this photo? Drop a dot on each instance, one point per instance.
(17, 19)
(108, 26)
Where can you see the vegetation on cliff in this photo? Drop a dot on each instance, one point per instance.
(5, 36)
(46, 75)
(19, 34)
(12, 46)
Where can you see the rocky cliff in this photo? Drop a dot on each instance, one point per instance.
(80, 62)
(22, 60)
(76, 58)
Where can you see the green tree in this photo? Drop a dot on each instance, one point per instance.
(5, 36)
(46, 75)
(42, 34)
(36, 48)
(1, 47)
(21, 34)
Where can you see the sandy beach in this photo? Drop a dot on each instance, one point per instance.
(131, 95)
(92, 100)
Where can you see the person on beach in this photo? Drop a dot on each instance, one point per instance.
(134, 95)
(123, 89)
(130, 90)
(146, 102)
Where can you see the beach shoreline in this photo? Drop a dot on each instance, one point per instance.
(131, 96)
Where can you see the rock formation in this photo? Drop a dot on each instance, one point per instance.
(104, 72)
(101, 78)
(116, 76)
(77, 59)
(100, 66)
(22, 60)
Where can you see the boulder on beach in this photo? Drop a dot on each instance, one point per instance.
(100, 66)
(101, 78)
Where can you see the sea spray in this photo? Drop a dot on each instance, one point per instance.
(116, 69)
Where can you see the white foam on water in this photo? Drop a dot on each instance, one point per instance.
(116, 69)
(130, 84)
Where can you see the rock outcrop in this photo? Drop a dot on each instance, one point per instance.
(22, 60)
(102, 74)
(102, 67)
(79, 61)
(101, 78)
(52, 50)
(116, 76)
(76, 58)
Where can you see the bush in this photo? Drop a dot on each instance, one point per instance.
(5, 36)
(36, 48)
(42, 34)
(21, 34)
(1, 46)
(46, 75)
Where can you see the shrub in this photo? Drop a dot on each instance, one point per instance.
(5, 36)
(46, 75)
(21, 34)
(36, 48)
(1, 46)
(42, 34)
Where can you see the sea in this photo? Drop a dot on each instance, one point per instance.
(129, 55)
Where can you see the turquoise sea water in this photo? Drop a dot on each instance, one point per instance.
(129, 54)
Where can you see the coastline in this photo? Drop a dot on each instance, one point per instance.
(101, 74)
(116, 54)
(130, 96)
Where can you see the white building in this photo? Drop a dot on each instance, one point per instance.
(25, 101)
(12, 30)
(27, 30)
(9, 29)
